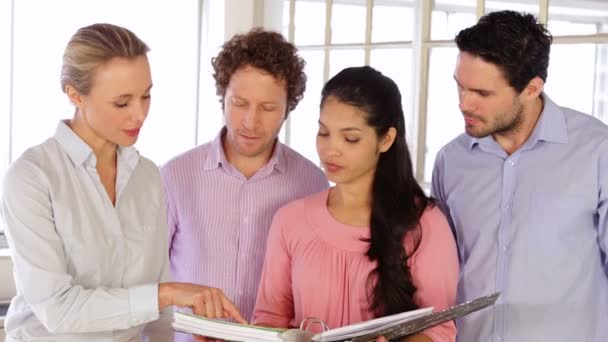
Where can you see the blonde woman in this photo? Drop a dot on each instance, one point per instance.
(84, 212)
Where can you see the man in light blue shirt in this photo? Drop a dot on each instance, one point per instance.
(526, 192)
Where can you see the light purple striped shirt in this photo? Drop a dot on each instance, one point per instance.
(219, 220)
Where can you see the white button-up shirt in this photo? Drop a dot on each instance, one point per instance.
(85, 269)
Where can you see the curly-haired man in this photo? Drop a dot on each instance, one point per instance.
(221, 196)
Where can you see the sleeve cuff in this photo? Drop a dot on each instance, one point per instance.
(144, 300)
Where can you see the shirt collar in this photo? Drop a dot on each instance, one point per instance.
(217, 157)
(76, 149)
(129, 155)
(551, 127)
(80, 152)
(277, 160)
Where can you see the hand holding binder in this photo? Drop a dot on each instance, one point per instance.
(392, 327)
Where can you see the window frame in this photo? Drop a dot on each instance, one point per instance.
(421, 45)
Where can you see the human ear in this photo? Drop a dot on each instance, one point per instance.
(74, 95)
(534, 88)
(387, 140)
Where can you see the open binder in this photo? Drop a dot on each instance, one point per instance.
(392, 327)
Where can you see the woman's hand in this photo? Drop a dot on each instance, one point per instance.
(204, 301)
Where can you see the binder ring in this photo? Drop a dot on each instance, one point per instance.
(310, 321)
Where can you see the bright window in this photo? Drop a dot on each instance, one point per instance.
(444, 121)
(423, 66)
(451, 16)
(182, 113)
(37, 97)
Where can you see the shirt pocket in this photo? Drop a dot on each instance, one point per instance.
(141, 218)
(149, 221)
(558, 222)
(144, 245)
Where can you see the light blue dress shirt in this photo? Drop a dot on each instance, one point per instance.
(532, 225)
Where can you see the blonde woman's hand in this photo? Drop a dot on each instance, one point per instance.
(203, 300)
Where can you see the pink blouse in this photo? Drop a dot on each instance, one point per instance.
(316, 267)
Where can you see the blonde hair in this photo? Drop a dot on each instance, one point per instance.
(92, 46)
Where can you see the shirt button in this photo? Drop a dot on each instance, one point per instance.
(512, 163)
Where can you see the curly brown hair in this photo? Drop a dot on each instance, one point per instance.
(265, 50)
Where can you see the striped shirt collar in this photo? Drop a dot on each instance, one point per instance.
(217, 157)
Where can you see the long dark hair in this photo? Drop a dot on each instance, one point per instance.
(398, 201)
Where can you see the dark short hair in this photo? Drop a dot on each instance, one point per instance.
(515, 42)
(264, 50)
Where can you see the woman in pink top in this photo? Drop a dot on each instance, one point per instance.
(374, 244)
